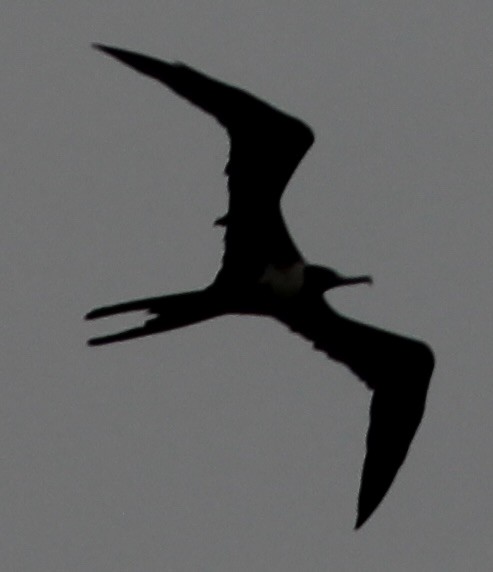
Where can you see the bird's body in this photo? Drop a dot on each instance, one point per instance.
(284, 281)
(263, 273)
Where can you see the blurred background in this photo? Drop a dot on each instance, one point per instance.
(233, 445)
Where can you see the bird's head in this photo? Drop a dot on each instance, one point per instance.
(319, 279)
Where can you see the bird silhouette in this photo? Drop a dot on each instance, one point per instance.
(263, 273)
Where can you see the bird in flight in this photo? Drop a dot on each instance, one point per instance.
(263, 272)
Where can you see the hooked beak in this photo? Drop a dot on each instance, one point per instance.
(356, 280)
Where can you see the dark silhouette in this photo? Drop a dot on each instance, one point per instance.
(263, 273)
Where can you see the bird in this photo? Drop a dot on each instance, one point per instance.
(263, 272)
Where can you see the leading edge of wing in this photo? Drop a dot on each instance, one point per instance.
(266, 144)
(230, 105)
(395, 416)
(398, 369)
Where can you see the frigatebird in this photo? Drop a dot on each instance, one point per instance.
(263, 272)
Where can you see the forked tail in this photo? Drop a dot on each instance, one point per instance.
(171, 312)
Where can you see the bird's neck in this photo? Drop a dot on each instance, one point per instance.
(285, 281)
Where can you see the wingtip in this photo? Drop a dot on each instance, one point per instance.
(104, 48)
(360, 520)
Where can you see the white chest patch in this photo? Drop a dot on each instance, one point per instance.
(285, 281)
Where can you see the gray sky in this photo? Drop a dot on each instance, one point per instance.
(233, 445)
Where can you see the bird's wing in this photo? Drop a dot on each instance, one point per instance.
(266, 146)
(398, 370)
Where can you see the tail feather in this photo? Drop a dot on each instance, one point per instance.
(172, 312)
(149, 304)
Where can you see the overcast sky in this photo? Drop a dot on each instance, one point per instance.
(233, 446)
